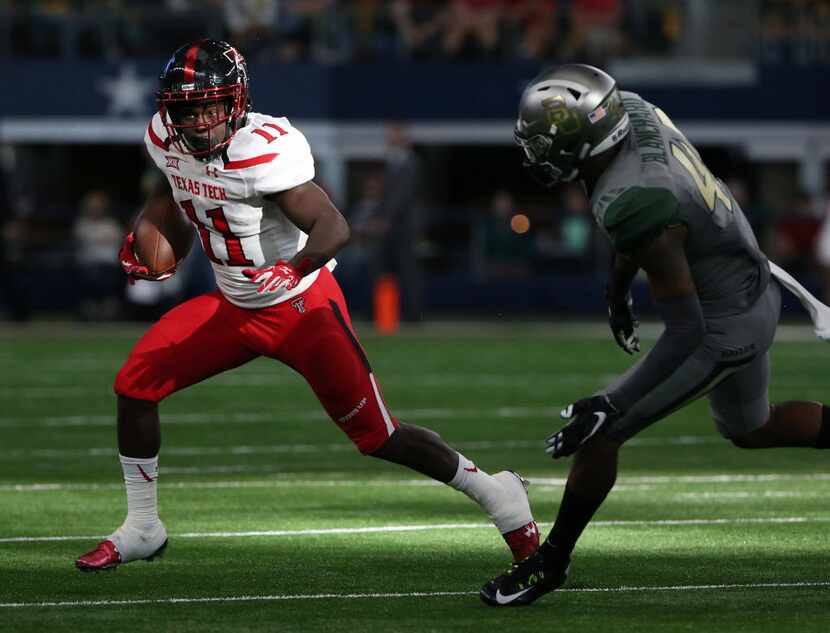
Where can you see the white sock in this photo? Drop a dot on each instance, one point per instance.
(483, 489)
(140, 480)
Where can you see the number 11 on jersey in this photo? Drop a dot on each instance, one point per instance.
(233, 245)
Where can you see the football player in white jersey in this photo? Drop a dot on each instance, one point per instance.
(245, 181)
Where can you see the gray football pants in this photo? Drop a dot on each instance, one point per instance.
(731, 366)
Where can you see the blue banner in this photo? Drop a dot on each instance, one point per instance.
(365, 92)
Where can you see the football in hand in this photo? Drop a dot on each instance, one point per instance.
(163, 237)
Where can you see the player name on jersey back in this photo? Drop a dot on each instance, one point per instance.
(228, 200)
(658, 179)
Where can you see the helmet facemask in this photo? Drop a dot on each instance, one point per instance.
(185, 114)
(547, 170)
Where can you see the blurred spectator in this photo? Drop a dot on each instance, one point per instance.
(36, 31)
(98, 236)
(794, 239)
(567, 244)
(420, 25)
(501, 248)
(250, 24)
(537, 28)
(473, 28)
(149, 300)
(372, 30)
(595, 32)
(360, 264)
(332, 31)
(151, 29)
(575, 225)
(761, 216)
(652, 27)
(823, 252)
(402, 209)
(310, 29)
(795, 32)
(13, 263)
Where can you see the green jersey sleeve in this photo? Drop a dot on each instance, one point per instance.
(638, 214)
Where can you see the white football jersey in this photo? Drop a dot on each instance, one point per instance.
(225, 200)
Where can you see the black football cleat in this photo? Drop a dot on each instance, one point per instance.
(526, 581)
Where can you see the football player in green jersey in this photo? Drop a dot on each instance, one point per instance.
(718, 295)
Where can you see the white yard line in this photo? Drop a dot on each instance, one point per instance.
(455, 329)
(266, 483)
(44, 393)
(428, 527)
(623, 483)
(748, 494)
(386, 596)
(54, 385)
(657, 480)
(275, 417)
(436, 379)
(716, 479)
(271, 533)
(335, 447)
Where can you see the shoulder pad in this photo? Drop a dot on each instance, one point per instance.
(638, 214)
(156, 135)
(275, 154)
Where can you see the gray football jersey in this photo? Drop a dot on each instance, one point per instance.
(657, 180)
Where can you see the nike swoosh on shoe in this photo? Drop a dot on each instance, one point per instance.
(502, 599)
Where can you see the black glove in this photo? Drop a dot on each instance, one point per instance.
(623, 322)
(588, 417)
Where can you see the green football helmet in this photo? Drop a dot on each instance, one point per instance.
(566, 116)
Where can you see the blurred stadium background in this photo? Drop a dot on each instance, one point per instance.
(409, 107)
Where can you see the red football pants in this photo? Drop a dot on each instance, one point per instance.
(312, 333)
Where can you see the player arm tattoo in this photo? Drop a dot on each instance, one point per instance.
(313, 212)
(664, 261)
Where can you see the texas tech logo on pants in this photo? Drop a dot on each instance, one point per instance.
(299, 305)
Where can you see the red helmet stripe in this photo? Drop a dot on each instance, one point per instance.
(190, 63)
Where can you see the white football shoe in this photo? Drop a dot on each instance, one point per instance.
(514, 517)
(126, 544)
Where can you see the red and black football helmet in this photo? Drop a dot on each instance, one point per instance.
(203, 73)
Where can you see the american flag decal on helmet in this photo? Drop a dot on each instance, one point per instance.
(597, 115)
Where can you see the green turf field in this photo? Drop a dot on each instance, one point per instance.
(277, 524)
